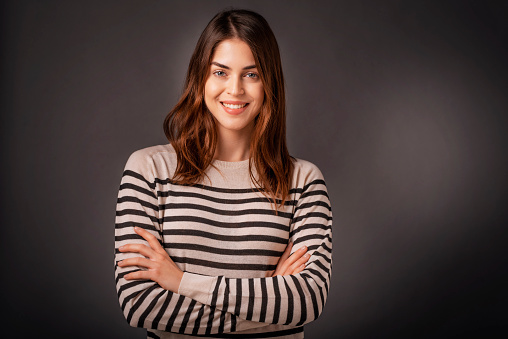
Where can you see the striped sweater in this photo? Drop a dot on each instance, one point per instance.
(226, 237)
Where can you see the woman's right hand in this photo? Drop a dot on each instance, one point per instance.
(291, 264)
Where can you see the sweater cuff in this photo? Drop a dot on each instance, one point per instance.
(197, 287)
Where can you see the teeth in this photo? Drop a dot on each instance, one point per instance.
(234, 106)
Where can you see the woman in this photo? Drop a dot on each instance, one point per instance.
(206, 224)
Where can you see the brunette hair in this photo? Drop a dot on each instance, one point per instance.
(191, 129)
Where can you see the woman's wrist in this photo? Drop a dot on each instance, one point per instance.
(178, 281)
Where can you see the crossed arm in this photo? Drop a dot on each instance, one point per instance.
(161, 269)
(161, 296)
(158, 282)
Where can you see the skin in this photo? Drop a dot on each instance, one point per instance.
(233, 79)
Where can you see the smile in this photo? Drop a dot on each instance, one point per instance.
(232, 106)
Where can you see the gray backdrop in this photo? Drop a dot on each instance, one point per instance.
(402, 104)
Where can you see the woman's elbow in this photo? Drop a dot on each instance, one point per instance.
(314, 301)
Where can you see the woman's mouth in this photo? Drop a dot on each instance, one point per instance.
(234, 108)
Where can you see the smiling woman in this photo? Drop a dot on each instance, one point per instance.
(221, 233)
(234, 95)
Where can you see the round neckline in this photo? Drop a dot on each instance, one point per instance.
(231, 164)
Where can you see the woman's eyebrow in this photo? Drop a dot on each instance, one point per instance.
(227, 67)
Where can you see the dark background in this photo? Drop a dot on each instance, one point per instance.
(402, 105)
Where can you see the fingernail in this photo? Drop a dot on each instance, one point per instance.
(121, 247)
(119, 263)
(306, 256)
(136, 228)
(304, 248)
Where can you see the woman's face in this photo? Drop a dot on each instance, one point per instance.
(233, 90)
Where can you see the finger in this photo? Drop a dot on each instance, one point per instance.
(298, 269)
(293, 258)
(138, 275)
(287, 252)
(150, 238)
(283, 259)
(138, 248)
(298, 263)
(137, 261)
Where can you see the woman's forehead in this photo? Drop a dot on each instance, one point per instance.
(233, 53)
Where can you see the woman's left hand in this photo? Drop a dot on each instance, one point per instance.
(160, 267)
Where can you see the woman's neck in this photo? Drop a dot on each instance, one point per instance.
(232, 146)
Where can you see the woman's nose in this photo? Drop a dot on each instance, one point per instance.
(235, 86)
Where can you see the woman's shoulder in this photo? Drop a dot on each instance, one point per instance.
(153, 152)
(305, 172)
(153, 161)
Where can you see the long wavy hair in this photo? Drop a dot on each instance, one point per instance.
(191, 129)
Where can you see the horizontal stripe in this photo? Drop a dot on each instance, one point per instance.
(139, 177)
(224, 212)
(131, 236)
(122, 274)
(222, 265)
(129, 211)
(320, 237)
(221, 190)
(312, 227)
(130, 285)
(310, 247)
(139, 201)
(314, 193)
(210, 188)
(312, 215)
(222, 251)
(321, 255)
(313, 204)
(316, 247)
(312, 183)
(148, 227)
(243, 224)
(234, 238)
(183, 194)
(129, 186)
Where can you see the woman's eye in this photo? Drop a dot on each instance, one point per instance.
(252, 75)
(220, 73)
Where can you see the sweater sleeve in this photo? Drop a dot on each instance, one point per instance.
(144, 302)
(288, 300)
